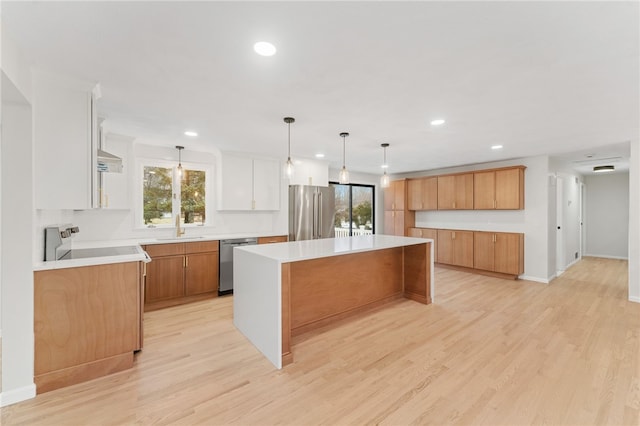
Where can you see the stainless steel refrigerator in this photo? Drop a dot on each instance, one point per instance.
(311, 212)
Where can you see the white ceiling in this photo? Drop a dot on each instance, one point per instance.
(535, 77)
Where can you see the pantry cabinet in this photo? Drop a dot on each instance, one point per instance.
(246, 183)
(501, 252)
(397, 217)
(180, 273)
(423, 193)
(500, 189)
(455, 247)
(455, 192)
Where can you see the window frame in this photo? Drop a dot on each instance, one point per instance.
(373, 203)
(141, 163)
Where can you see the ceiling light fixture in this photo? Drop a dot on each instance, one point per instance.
(496, 146)
(288, 168)
(437, 122)
(343, 178)
(179, 148)
(264, 48)
(603, 169)
(384, 180)
(319, 155)
(190, 133)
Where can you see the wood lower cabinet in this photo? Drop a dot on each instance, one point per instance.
(423, 193)
(501, 252)
(87, 322)
(426, 233)
(455, 248)
(180, 273)
(273, 239)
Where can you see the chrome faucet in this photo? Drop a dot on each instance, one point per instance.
(179, 231)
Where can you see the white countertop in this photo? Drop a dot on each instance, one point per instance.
(139, 256)
(312, 249)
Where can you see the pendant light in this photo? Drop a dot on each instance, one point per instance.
(288, 168)
(179, 148)
(384, 180)
(343, 178)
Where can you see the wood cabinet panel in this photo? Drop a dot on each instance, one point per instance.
(83, 315)
(157, 250)
(510, 189)
(389, 222)
(455, 192)
(201, 247)
(165, 278)
(483, 252)
(201, 273)
(484, 190)
(455, 247)
(274, 239)
(397, 218)
(422, 194)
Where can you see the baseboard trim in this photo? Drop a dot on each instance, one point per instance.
(634, 299)
(17, 395)
(607, 256)
(535, 279)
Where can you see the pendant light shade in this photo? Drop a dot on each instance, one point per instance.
(384, 180)
(179, 169)
(288, 167)
(343, 177)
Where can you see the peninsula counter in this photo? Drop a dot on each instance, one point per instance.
(285, 289)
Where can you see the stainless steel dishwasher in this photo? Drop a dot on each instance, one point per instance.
(226, 261)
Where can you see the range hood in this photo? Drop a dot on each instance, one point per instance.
(108, 162)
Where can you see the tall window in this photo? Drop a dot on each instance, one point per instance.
(354, 209)
(166, 194)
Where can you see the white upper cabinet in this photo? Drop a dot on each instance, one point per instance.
(246, 183)
(65, 145)
(310, 172)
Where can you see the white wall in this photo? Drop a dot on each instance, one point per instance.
(634, 222)
(16, 276)
(607, 215)
(532, 221)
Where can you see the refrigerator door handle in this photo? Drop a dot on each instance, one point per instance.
(314, 221)
(320, 234)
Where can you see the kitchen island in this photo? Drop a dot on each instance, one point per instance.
(285, 289)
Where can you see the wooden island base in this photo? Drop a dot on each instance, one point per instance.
(320, 291)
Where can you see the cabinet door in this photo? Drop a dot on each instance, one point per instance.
(444, 254)
(414, 194)
(430, 193)
(266, 184)
(235, 183)
(64, 125)
(165, 278)
(389, 222)
(398, 194)
(483, 251)
(464, 192)
(113, 191)
(414, 232)
(509, 189)
(446, 192)
(463, 248)
(398, 223)
(389, 197)
(201, 273)
(274, 239)
(509, 252)
(484, 190)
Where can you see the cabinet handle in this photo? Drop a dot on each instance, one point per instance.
(184, 262)
(495, 204)
(421, 207)
(144, 270)
(393, 214)
(454, 204)
(453, 235)
(253, 204)
(494, 238)
(393, 206)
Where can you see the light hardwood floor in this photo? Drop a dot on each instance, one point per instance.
(489, 352)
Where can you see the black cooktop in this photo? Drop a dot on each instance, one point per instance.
(99, 252)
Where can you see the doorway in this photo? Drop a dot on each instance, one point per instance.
(354, 209)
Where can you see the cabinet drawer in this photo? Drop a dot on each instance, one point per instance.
(275, 239)
(202, 246)
(158, 250)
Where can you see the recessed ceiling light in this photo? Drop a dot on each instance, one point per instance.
(264, 48)
(603, 169)
(496, 146)
(385, 166)
(190, 133)
(319, 155)
(437, 122)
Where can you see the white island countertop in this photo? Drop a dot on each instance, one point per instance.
(314, 249)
